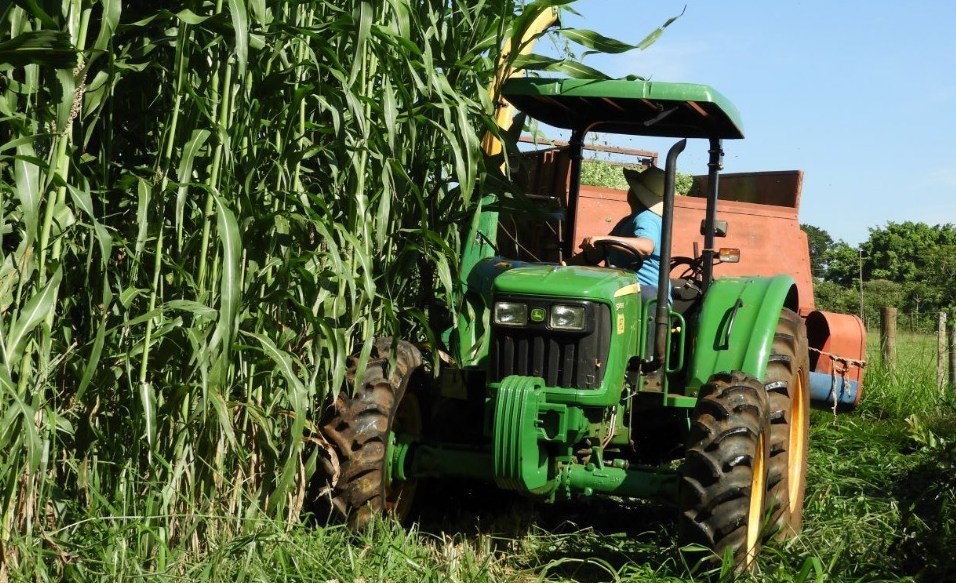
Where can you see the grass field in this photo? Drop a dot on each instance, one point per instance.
(881, 504)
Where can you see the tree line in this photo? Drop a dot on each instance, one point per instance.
(907, 265)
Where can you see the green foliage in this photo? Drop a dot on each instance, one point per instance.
(879, 293)
(47, 47)
(201, 221)
(919, 258)
(934, 285)
(205, 213)
(843, 264)
(609, 175)
(820, 242)
(833, 297)
(683, 183)
(904, 251)
(604, 174)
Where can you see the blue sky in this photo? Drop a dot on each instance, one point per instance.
(859, 95)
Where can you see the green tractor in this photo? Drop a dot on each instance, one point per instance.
(561, 383)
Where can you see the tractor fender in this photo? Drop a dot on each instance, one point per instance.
(737, 324)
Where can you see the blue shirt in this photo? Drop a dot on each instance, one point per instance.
(641, 224)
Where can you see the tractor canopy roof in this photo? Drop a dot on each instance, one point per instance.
(624, 106)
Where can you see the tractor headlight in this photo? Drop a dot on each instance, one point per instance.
(511, 314)
(567, 317)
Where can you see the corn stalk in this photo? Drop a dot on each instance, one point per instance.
(206, 209)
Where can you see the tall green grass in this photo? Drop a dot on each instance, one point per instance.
(909, 386)
(207, 206)
(204, 213)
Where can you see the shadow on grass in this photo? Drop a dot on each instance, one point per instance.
(926, 548)
(592, 539)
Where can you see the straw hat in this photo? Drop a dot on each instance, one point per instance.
(648, 186)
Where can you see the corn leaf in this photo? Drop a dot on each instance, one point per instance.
(42, 47)
(34, 311)
(240, 26)
(656, 33)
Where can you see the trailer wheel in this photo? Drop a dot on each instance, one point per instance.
(724, 481)
(787, 385)
(360, 431)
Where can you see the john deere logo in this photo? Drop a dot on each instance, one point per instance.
(537, 314)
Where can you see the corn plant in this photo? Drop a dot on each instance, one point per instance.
(207, 207)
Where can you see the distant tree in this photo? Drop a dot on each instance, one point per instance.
(833, 297)
(909, 265)
(820, 242)
(904, 252)
(940, 275)
(921, 298)
(843, 264)
(879, 293)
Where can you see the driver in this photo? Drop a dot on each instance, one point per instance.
(641, 229)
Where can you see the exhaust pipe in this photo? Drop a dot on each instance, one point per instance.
(662, 317)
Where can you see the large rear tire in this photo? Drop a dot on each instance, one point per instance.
(724, 482)
(360, 429)
(787, 384)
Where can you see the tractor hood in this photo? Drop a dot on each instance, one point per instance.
(586, 283)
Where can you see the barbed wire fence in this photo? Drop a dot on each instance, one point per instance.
(891, 321)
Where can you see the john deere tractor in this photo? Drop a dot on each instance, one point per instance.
(561, 383)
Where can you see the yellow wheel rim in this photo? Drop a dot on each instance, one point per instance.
(758, 488)
(407, 424)
(797, 458)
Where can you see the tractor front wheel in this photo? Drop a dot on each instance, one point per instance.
(361, 430)
(724, 481)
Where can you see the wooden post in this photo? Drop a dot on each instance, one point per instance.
(952, 352)
(888, 335)
(941, 361)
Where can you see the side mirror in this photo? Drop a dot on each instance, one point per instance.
(720, 228)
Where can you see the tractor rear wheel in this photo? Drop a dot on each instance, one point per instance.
(787, 384)
(360, 431)
(724, 481)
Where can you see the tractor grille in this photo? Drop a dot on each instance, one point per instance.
(562, 359)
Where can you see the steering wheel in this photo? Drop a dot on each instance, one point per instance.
(608, 244)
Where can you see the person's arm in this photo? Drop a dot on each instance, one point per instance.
(642, 244)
